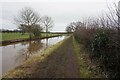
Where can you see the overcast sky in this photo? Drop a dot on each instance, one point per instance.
(62, 11)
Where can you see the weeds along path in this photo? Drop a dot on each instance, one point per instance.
(61, 63)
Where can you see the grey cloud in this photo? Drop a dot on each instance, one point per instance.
(62, 12)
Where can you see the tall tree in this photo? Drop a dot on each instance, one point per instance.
(27, 19)
(47, 22)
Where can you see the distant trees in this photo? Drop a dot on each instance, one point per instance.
(68, 29)
(73, 26)
(47, 23)
(10, 31)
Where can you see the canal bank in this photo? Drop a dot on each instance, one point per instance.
(58, 61)
(6, 42)
(16, 53)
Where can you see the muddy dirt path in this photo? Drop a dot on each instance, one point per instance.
(62, 63)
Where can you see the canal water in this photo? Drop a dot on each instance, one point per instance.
(14, 54)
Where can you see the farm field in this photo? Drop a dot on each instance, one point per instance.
(13, 36)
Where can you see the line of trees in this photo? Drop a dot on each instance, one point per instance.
(101, 38)
(9, 31)
(31, 22)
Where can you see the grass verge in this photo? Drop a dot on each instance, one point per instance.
(86, 68)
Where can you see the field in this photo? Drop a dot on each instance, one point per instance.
(13, 36)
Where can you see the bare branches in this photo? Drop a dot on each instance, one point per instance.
(28, 20)
(47, 22)
(27, 17)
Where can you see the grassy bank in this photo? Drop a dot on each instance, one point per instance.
(27, 68)
(86, 68)
(13, 36)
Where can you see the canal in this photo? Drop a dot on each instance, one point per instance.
(15, 54)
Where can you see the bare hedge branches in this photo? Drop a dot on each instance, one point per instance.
(101, 37)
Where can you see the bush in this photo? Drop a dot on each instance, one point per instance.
(103, 46)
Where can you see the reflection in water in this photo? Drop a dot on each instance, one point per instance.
(14, 54)
(46, 43)
(24, 43)
(32, 48)
(14, 45)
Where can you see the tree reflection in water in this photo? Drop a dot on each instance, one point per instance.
(32, 48)
(17, 53)
(46, 43)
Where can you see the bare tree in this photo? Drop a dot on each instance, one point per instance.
(73, 26)
(68, 29)
(27, 19)
(47, 22)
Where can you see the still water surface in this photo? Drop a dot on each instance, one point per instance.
(14, 54)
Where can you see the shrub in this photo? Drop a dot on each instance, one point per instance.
(103, 46)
